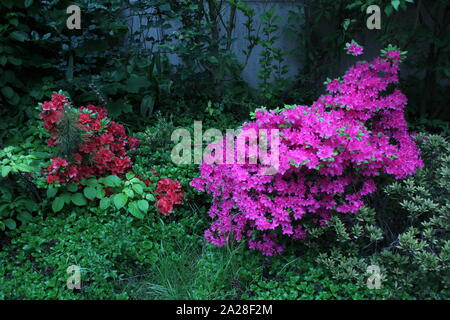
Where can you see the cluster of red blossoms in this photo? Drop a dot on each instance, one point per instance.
(102, 151)
(169, 193)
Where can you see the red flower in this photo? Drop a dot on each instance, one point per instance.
(106, 150)
(50, 179)
(134, 142)
(165, 206)
(169, 193)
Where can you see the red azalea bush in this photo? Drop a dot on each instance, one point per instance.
(101, 147)
(94, 146)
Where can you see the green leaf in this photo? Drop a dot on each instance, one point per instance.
(10, 223)
(135, 83)
(150, 197)
(5, 170)
(51, 192)
(78, 199)
(90, 193)
(18, 36)
(129, 175)
(388, 10)
(120, 200)
(100, 193)
(147, 104)
(395, 4)
(28, 3)
(24, 216)
(24, 167)
(142, 205)
(104, 203)
(58, 204)
(7, 92)
(138, 188)
(134, 210)
(112, 181)
(72, 187)
(128, 192)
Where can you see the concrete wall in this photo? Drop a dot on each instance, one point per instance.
(282, 7)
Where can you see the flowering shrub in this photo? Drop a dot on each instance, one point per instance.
(169, 193)
(330, 153)
(91, 145)
(95, 145)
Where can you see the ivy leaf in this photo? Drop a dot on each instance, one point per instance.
(120, 200)
(78, 199)
(90, 193)
(58, 204)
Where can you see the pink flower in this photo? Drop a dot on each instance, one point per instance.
(358, 124)
(354, 49)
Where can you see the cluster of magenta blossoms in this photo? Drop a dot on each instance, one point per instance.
(329, 155)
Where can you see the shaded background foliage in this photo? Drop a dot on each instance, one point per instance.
(117, 60)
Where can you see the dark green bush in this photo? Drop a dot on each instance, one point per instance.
(406, 233)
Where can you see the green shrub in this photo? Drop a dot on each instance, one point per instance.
(405, 232)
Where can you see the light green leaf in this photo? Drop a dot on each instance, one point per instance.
(120, 200)
(395, 4)
(143, 205)
(5, 170)
(104, 203)
(112, 181)
(134, 210)
(90, 193)
(129, 192)
(138, 188)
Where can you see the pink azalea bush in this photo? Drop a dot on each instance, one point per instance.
(330, 153)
